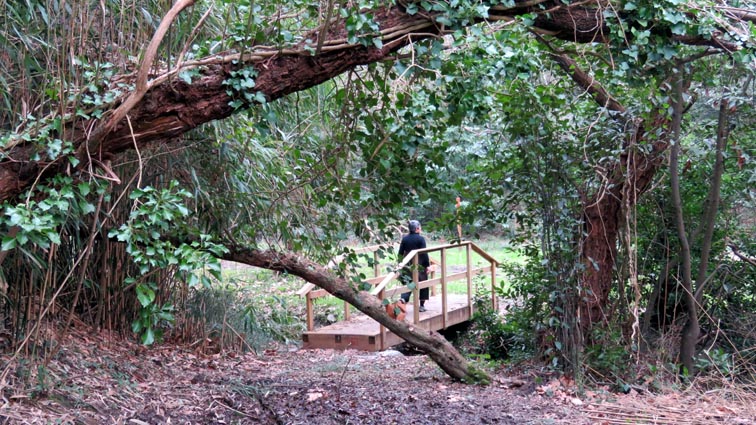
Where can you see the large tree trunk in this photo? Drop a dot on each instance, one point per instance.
(629, 178)
(437, 347)
(598, 255)
(631, 175)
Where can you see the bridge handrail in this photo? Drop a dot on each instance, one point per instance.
(397, 270)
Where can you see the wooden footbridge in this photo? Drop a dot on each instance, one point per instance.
(443, 309)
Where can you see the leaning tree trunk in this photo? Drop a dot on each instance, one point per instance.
(437, 347)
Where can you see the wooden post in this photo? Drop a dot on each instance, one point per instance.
(382, 328)
(494, 303)
(346, 311)
(310, 315)
(376, 266)
(469, 279)
(444, 302)
(416, 291)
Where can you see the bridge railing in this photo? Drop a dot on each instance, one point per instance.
(380, 261)
(440, 275)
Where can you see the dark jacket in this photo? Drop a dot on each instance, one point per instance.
(414, 241)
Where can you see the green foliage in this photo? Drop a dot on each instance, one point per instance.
(495, 337)
(361, 28)
(492, 336)
(38, 221)
(716, 361)
(273, 321)
(154, 213)
(151, 317)
(530, 315)
(726, 298)
(610, 358)
(455, 14)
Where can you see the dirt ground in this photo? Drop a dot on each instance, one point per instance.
(97, 379)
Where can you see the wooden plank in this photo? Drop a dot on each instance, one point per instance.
(478, 250)
(432, 275)
(382, 329)
(411, 256)
(424, 284)
(305, 289)
(494, 302)
(388, 293)
(416, 291)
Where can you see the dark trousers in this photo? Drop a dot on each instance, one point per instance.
(407, 279)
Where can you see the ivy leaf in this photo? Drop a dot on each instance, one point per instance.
(87, 208)
(145, 295)
(8, 243)
(54, 237)
(186, 77)
(84, 188)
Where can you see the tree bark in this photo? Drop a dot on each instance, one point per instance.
(631, 176)
(435, 345)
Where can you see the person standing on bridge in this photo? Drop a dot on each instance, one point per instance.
(411, 241)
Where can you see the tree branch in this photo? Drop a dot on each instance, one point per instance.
(144, 70)
(588, 83)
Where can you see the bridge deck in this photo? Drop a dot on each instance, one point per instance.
(363, 333)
